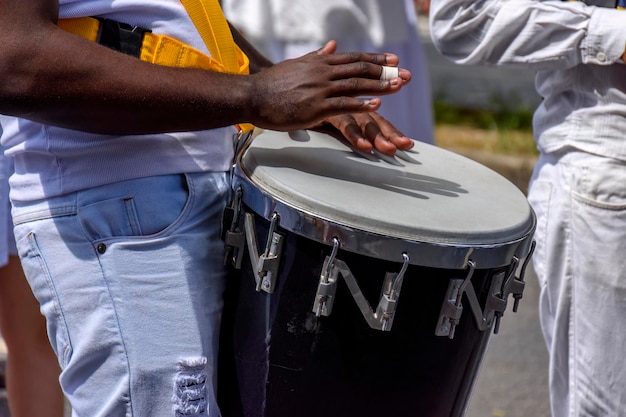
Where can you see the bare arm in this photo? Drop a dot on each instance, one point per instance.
(60, 79)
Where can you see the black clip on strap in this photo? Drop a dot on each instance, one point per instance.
(121, 37)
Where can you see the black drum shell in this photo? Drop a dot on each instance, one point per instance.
(279, 359)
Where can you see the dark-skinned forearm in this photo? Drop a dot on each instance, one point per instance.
(63, 80)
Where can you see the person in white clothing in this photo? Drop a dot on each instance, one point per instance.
(578, 189)
(285, 29)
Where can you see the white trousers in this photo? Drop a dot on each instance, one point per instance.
(580, 202)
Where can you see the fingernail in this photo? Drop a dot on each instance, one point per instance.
(364, 143)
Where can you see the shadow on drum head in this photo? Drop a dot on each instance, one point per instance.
(299, 135)
(346, 166)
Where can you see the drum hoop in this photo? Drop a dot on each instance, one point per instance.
(422, 253)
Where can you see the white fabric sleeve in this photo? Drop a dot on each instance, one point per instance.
(540, 35)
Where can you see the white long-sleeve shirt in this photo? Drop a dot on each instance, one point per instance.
(575, 50)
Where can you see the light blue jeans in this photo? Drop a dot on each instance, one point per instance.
(130, 277)
(580, 202)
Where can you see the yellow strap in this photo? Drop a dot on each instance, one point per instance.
(160, 49)
(87, 27)
(209, 19)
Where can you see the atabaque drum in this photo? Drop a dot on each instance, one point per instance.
(364, 285)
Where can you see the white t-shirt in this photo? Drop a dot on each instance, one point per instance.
(51, 161)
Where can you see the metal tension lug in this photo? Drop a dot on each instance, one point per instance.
(450, 313)
(268, 263)
(235, 242)
(512, 285)
(451, 308)
(497, 300)
(518, 284)
(326, 289)
(234, 238)
(267, 266)
(387, 305)
(386, 309)
(516, 288)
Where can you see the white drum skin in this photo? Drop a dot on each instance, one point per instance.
(440, 208)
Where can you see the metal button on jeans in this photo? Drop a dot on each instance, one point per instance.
(101, 248)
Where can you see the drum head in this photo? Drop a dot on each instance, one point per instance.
(438, 198)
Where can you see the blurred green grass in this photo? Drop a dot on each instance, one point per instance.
(498, 129)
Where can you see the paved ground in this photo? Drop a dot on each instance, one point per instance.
(514, 377)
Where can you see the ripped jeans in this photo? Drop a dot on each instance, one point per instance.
(130, 277)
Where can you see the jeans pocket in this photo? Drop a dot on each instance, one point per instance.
(598, 216)
(143, 207)
(600, 182)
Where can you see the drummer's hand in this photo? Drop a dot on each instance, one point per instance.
(303, 92)
(370, 130)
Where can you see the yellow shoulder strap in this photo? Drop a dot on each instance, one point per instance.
(209, 19)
